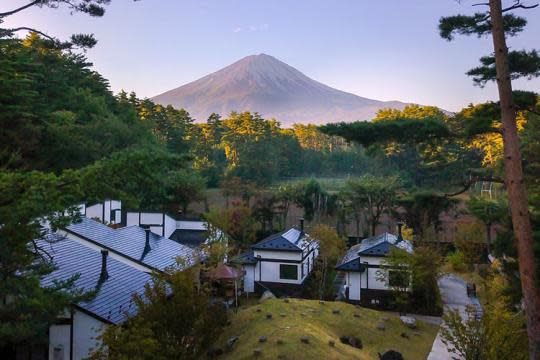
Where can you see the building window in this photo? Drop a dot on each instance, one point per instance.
(288, 272)
(398, 279)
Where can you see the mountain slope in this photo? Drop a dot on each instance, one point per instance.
(276, 90)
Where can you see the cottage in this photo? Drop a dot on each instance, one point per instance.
(75, 332)
(361, 265)
(280, 262)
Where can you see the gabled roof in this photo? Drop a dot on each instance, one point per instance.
(130, 242)
(290, 240)
(189, 237)
(113, 300)
(379, 245)
(247, 258)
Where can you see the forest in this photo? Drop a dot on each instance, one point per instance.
(66, 138)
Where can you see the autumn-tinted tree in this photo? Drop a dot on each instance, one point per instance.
(503, 66)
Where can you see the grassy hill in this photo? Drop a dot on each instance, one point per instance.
(297, 318)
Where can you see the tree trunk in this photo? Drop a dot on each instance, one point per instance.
(488, 238)
(514, 181)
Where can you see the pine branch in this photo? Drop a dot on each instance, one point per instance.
(11, 31)
(467, 184)
(8, 13)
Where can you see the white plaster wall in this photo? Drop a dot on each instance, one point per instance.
(151, 218)
(95, 211)
(107, 213)
(170, 226)
(85, 331)
(132, 218)
(59, 337)
(352, 280)
(270, 273)
(370, 277)
(279, 255)
(249, 278)
(191, 225)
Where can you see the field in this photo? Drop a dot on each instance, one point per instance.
(297, 318)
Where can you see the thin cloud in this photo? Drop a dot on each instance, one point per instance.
(251, 28)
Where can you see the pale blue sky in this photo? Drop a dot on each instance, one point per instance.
(386, 50)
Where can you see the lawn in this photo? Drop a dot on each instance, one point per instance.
(297, 318)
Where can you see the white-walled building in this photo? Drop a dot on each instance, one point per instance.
(282, 261)
(74, 335)
(192, 233)
(361, 265)
(108, 212)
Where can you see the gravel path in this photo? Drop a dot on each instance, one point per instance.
(454, 296)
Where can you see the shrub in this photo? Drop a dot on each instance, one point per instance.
(456, 261)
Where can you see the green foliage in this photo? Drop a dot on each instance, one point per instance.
(424, 267)
(370, 197)
(521, 63)
(175, 320)
(421, 210)
(456, 261)
(498, 334)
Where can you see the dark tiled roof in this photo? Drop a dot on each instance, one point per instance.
(290, 240)
(188, 237)
(245, 258)
(130, 242)
(378, 245)
(113, 300)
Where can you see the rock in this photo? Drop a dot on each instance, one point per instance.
(257, 352)
(404, 335)
(303, 314)
(279, 341)
(285, 300)
(391, 355)
(356, 315)
(258, 310)
(282, 314)
(230, 343)
(214, 352)
(332, 343)
(355, 342)
(416, 334)
(409, 321)
(381, 327)
(335, 311)
(267, 295)
(304, 339)
(385, 319)
(268, 316)
(262, 339)
(321, 302)
(344, 339)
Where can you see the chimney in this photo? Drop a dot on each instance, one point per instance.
(400, 235)
(147, 242)
(104, 274)
(302, 224)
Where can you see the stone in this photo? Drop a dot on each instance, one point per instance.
(214, 352)
(381, 327)
(335, 311)
(331, 343)
(385, 319)
(285, 300)
(262, 339)
(230, 343)
(258, 310)
(416, 334)
(409, 321)
(321, 302)
(268, 316)
(257, 352)
(344, 339)
(304, 339)
(267, 295)
(404, 335)
(391, 355)
(356, 315)
(279, 341)
(303, 314)
(282, 314)
(355, 342)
